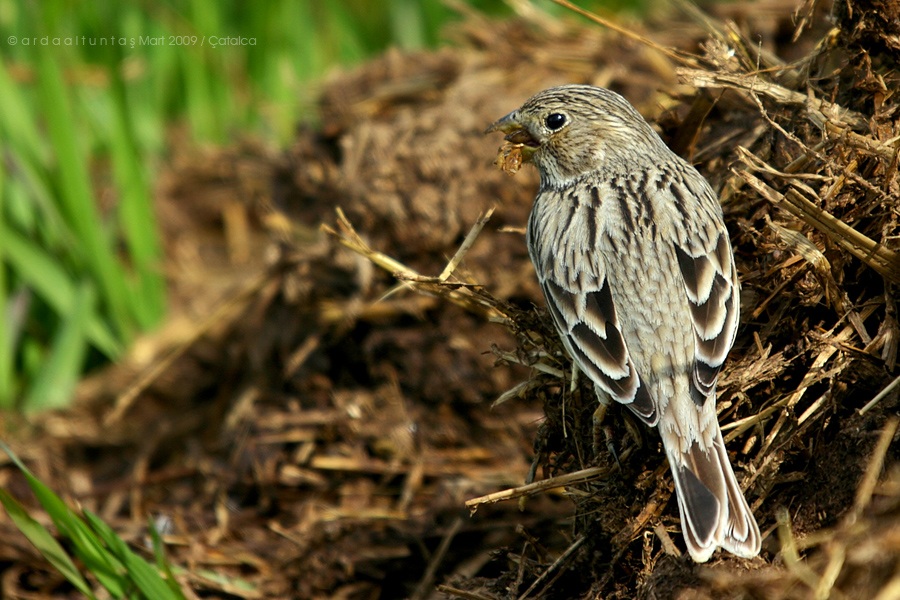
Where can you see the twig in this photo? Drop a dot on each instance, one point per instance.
(459, 593)
(516, 391)
(537, 487)
(563, 558)
(825, 588)
(728, 35)
(428, 578)
(818, 110)
(665, 540)
(881, 396)
(460, 293)
(466, 244)
(539, 366)
(873, 470)
(789, 552)
(814, 374)
(880, 258)
(677, 56)
(624, 536)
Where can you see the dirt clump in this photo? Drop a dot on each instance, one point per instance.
(313, 420)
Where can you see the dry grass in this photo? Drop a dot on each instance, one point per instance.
(316, 420)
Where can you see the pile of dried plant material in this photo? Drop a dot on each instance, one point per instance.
(328, 404)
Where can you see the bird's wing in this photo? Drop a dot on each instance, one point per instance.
(585, 315)
(713, 291)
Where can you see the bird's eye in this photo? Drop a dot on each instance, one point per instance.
(554, 121)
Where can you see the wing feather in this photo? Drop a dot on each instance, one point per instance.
(713, 292)
(588, 325)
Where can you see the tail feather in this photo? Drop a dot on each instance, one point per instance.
(713, 509)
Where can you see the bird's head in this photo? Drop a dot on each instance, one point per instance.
(572, 130)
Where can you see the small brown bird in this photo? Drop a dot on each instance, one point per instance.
(632, 254)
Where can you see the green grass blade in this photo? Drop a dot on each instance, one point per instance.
(159, 552)
(407, 23)
(310, 59)
(136, 217)
(144, 576)
(76, 195)
(60, 372)
(199, 61)
(118, 569)
(16, 115)
(43, 273)
(86, 546)
(46, 544)
(30, 203)
(8, 320)
(348, 32)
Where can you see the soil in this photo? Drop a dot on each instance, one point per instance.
(307, 425)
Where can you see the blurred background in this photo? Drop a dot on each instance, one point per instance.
(292, 426)
(95, 98)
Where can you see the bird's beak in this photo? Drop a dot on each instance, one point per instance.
(516, 133)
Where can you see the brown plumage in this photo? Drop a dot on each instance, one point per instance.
(637, 270)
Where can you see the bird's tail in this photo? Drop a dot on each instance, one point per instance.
(713, 509)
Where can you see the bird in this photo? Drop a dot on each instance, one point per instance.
(631, 251)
